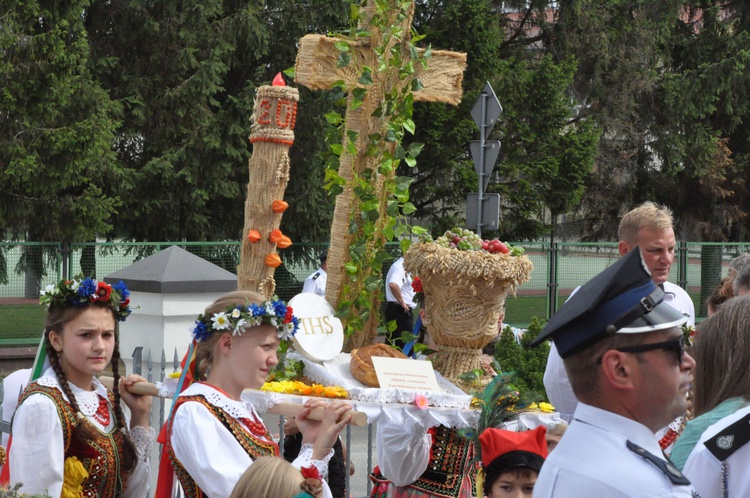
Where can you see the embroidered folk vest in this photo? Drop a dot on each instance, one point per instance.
(254, 446)
(100, 457)
(450, 458)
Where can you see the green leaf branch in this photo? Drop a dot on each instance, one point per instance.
(381, 196)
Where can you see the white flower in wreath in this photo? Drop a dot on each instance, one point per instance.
(236, 313)
(220, 321)
(269, 309)
(51, 289)
(240, 325)
(286, 334)
(74, 285)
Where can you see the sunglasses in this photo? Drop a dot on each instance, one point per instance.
(676, 345)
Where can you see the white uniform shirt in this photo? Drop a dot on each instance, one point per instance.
(556, 381)
(398, 275)
(704, 469)
(679, 299)
(593, 460)
(316, 283)
(210, 453)
(37, 452)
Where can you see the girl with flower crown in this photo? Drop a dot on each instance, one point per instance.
(70, 436)
(274, 477)
(212, 435)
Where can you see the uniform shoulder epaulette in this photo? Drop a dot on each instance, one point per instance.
(672, 472)
(315, 277)
(729, 440)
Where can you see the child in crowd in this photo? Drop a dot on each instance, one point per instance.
(213, 436)
(273, 477)
(554, 435)
(511, 461)
(70, 435)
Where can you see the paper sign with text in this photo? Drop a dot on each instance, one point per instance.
(399, 373)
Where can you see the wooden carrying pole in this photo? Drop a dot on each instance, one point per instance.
(359, 419)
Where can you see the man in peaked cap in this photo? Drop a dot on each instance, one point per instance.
(624, 353)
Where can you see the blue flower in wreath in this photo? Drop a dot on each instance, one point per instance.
(279, 308)
(201, 331)
(122, 289)
(257, 310)
(86, 288)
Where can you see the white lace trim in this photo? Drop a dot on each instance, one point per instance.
(88, 401)
(305, 459)
(143, 438)
(237, 409)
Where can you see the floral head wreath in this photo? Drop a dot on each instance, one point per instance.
(236, 319)
(311, 486)
(84, 291)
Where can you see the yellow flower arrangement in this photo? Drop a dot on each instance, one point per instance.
(297, 387)
(542, 406)
(477, 404)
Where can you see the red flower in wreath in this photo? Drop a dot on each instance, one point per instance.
(289, 315)
(416, 285)
(103, 291)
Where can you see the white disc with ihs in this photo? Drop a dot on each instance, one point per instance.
(321, 335)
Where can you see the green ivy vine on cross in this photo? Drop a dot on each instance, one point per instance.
(382, 197)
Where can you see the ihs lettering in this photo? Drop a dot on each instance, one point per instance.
(319, 325)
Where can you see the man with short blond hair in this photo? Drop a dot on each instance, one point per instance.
(648, 227)
(649, 214)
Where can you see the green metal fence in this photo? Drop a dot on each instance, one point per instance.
(26, 267)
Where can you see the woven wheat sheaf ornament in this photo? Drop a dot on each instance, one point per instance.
(464, 298)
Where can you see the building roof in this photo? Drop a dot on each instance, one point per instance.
(175, 271)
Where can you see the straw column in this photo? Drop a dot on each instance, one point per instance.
(272, 134)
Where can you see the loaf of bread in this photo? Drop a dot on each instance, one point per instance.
(361, 364)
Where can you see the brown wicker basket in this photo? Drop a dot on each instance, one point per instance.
(464, 296)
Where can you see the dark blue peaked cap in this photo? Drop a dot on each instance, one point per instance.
(621, 299)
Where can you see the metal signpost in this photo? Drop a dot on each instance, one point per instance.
(485, 211)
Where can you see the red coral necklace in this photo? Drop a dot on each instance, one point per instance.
(255, 426)
(102, 413)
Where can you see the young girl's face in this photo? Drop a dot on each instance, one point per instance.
(254, 355)
(513, 485)
(85, 345)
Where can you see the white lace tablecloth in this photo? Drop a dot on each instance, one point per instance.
(336, 372)
(449, 407)
(379, 412)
